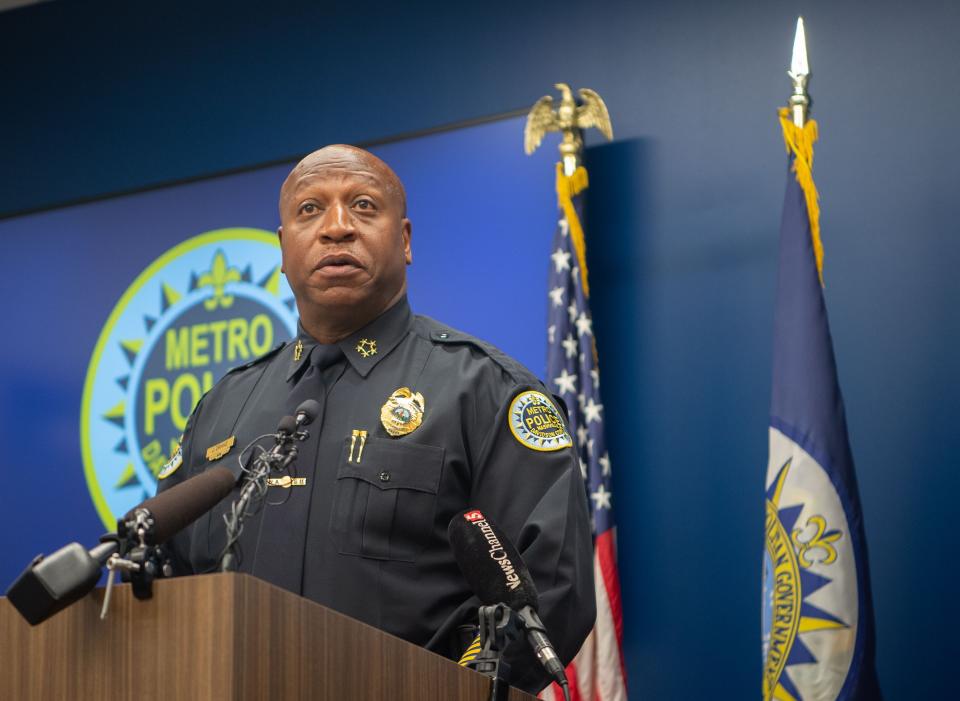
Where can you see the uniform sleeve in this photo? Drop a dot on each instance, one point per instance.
(178, 545)
(533, 489)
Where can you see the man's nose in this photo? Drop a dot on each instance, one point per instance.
(337, 223)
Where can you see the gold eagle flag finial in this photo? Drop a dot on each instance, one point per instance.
(569, 119)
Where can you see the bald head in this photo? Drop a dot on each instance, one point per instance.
(347, 159)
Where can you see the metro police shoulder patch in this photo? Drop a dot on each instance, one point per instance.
(172, 465)
(536, 423)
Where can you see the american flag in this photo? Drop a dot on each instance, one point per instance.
(597, 672)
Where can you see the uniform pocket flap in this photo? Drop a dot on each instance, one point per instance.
(389, 464)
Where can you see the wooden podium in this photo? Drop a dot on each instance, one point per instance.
(219, 637)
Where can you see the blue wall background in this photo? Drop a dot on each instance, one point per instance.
(105, 96)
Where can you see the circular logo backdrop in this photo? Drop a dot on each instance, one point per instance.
(211, 303)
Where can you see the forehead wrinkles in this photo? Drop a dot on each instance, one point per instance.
(350, 164)
(340, 173)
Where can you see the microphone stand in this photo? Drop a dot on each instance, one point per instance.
(499, 626)
(254, 487)
(133, 552)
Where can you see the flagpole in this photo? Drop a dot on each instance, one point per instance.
(598, 671)
(817, 618)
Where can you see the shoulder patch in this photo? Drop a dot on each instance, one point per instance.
(536, 423)
(173, 464)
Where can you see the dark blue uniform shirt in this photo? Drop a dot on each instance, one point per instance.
(367, 534)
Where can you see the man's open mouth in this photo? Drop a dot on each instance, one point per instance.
(338, 263)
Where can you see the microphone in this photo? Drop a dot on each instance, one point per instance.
(287, 425)
(51, 583)
(307, 412)
(495, 571)
(175, 509)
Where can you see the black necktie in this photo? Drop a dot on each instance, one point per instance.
(278, 554)
(316, 380)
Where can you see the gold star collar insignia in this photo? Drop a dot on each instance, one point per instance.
(366, 347)
(298, 351)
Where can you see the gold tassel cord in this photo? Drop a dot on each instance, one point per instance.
(470, 653)
(799, 141)
(569, 187)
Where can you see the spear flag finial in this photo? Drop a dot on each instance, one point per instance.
(799, 72)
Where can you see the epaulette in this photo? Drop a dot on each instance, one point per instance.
(256, 361)
(440, 333)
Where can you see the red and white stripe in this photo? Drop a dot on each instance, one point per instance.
(597, 673)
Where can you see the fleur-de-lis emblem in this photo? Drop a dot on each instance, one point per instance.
(217, 277)
(821, 540)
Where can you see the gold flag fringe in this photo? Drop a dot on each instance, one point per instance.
(799, 141)
(567, 189)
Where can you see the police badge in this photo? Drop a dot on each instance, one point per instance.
(402, 413)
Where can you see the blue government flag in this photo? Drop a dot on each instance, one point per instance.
(817, 613)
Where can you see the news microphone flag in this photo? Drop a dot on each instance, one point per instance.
(817, 615)
(597, 672)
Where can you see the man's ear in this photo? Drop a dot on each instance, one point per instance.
(406, 231)
(280, 239)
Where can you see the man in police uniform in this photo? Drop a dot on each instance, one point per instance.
(419, 421)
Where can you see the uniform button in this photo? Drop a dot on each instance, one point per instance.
(384, 476)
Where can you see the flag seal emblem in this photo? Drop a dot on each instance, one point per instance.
(807, 635)
(536, 423)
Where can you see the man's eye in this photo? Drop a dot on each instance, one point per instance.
(364, 204)
(308, 208)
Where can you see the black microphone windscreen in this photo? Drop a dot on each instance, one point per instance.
(490, 562)
(309, 410)
(179, 506)
(287, 425)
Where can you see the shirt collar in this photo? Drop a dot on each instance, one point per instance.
(363, 349)
(371, 344)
